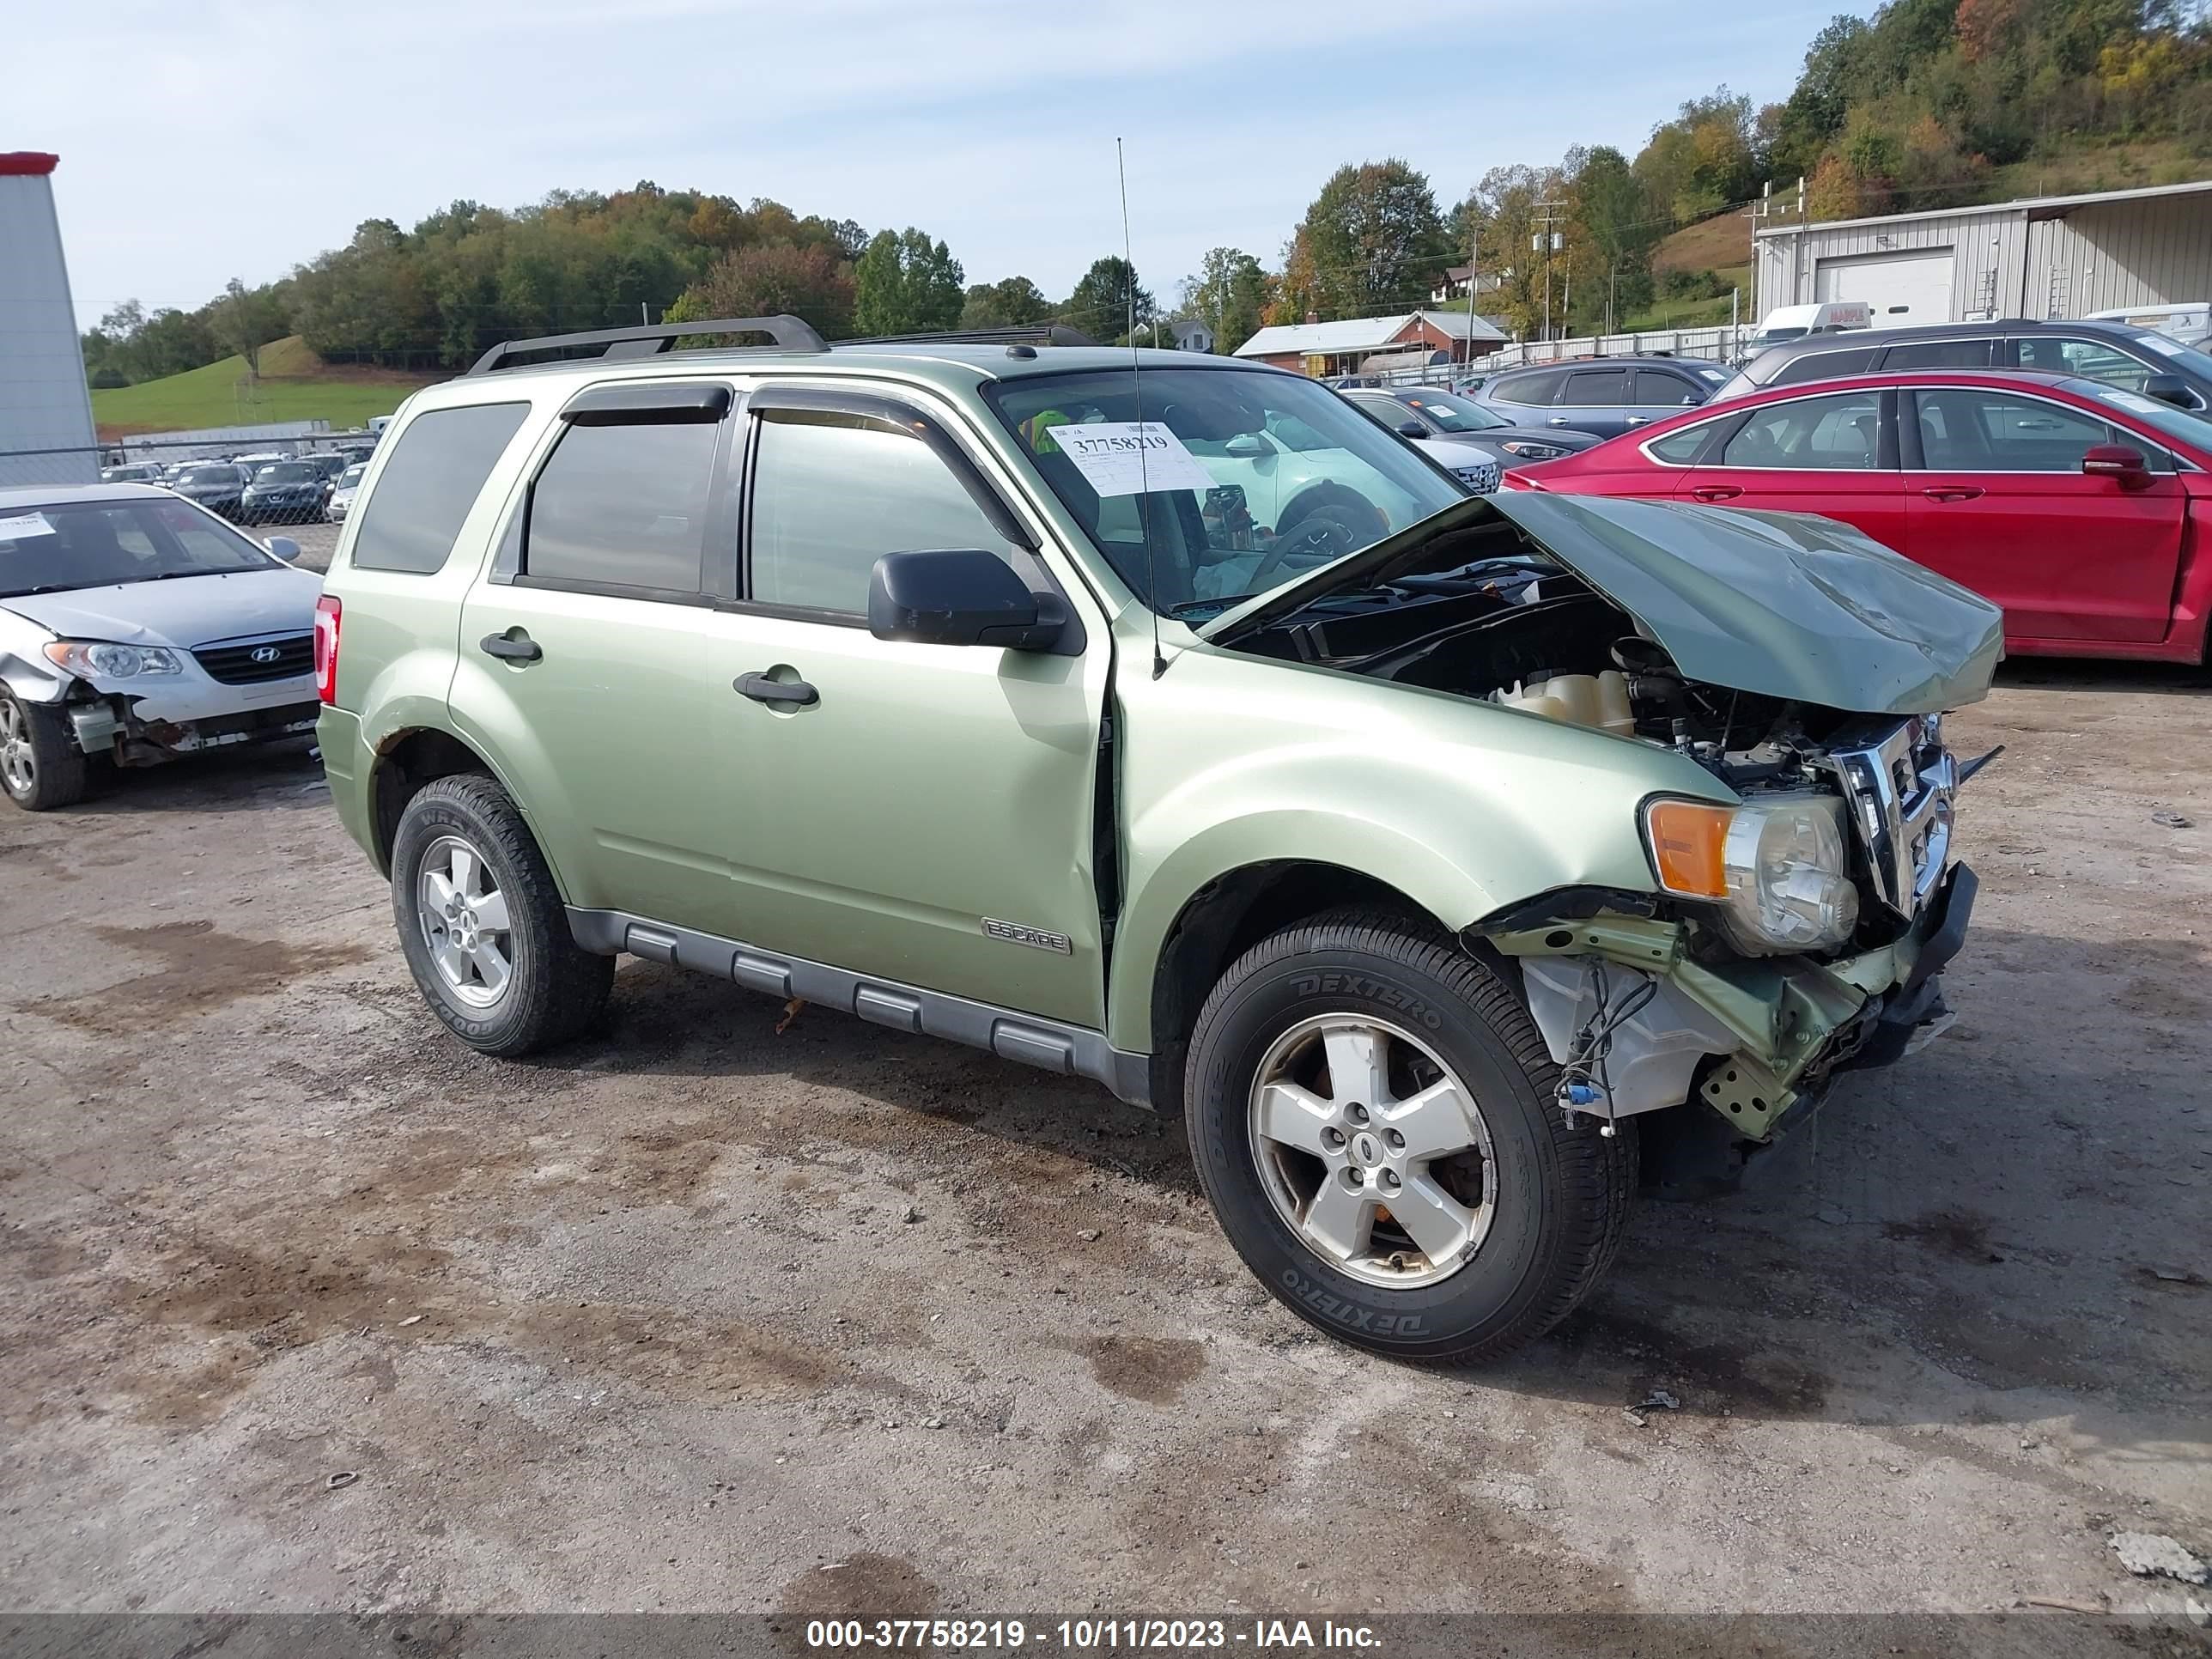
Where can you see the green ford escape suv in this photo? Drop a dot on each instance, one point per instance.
(1162, 720)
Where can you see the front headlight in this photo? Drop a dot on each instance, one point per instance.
(97, 659)
(1528, 450)
(1779, 868)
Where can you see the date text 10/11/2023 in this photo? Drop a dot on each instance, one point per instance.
(1080, 1635)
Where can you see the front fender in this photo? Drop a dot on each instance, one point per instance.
(24, 669)
(1462, 806)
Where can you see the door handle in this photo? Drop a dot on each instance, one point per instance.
(1718, 492)
(1952, 492)
(761, 689)
(516, 647)
(1638, 420)
(1557, 419)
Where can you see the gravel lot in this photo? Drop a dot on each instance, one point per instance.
(696, 1316)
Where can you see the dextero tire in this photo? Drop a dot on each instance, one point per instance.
(1372, 1119)
(482, 926)
(40, 766)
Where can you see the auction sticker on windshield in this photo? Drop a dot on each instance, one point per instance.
(1129, 457)
(24, 526)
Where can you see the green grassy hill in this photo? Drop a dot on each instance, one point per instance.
(294, 385)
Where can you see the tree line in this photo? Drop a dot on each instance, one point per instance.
(1910, 107)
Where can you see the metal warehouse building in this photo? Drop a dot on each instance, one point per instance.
(45, 409)
(2050, 256)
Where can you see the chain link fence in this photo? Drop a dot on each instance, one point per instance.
(305, 479)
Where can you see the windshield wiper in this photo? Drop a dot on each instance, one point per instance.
(1192, 607)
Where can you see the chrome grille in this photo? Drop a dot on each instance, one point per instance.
(1898, 782)
(1482, 477)
(253, 661)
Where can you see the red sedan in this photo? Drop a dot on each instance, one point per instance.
(2084, 509)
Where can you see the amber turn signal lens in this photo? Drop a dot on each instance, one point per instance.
(1688, 841)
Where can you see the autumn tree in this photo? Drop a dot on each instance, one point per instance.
(772, 279)
(1373, 240)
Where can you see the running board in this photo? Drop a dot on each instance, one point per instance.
(1070, 1050)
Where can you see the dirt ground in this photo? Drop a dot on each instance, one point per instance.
(304, 1307)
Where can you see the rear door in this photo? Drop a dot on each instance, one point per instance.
(1834, 453)
(1596, 400)
(584, 661)
(1997, 501)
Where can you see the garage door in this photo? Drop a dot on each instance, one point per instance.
(1902, 288)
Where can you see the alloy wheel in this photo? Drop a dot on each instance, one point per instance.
(1372, 1151)
(19, 766)
(464, 918)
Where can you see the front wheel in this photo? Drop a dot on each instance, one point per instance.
(40, 766)
(1373, 1121)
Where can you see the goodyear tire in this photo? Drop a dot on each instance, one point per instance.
(1372, 1119)
(481, 924)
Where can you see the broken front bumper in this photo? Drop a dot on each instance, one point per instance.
(103, 728)
(1753, 1037)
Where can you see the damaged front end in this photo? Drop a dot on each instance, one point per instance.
(1791, 935)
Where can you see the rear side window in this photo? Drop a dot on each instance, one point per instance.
(832, 494)
(1680, 449)
(428, 484)
(1822, 366)
(1835, 434)
(1938, 354)
(623, 506)
(1533, 389)
(1591, 387)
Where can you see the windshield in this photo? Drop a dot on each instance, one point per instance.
(2187, 358)
(289, 473)
(210, 475)
(2186, 426)
(350, 476)
(1712, 376)
(1269, 476)
(1450, 412)
(49, 550)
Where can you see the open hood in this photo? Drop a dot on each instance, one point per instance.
(1781, 603)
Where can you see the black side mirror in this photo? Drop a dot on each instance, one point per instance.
(2168, 389)
(965, 597)
(1411, 429)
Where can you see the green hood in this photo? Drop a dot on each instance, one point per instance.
(1783, 604)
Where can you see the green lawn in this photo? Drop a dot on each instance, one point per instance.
(1694, 313)
(299, 389)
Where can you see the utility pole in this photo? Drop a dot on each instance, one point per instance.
(1473, 239)
(1547, 240)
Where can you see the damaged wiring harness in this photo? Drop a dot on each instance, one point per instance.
(1583, 1081)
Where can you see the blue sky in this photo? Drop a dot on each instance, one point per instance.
(202, 139)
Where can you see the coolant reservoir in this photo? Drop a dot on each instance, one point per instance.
(1599, 700)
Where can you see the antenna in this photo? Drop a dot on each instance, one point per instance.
(1136, 379)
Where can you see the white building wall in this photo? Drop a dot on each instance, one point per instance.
(2049, 258)
(46, 433)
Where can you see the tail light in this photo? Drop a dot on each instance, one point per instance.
(327, 612)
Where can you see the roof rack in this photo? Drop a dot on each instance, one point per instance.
(789, 333)
(1055, 334)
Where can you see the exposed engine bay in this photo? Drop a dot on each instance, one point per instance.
(1837, 857)
(1491, 616)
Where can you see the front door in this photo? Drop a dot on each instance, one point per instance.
(1998, 502)
(1834, 454)
(585, 665)
(924, 813)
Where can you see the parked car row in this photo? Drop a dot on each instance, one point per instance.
(279, 486)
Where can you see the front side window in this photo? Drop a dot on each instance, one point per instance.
(1267, 476)
(833, 493)
(1657, 389)
(428, 484)
(1595, 387)
(1383, 412)
(1835, 434)
(622, 507)
(50, 550)
(1965, 430)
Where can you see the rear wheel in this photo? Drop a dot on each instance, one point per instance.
(40, 766)
(1372, 1119)
(481, 924)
